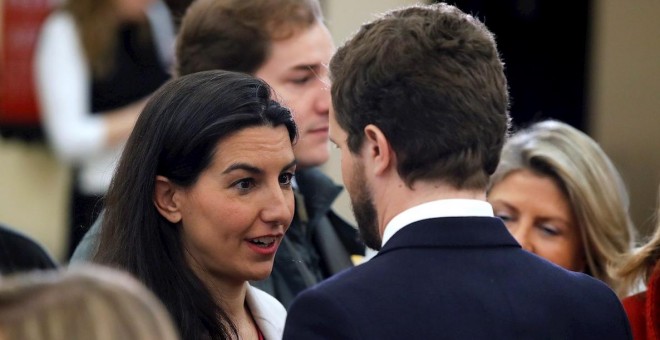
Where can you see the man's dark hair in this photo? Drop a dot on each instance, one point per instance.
(430, 77)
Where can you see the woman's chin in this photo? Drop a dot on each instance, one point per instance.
(259, 275)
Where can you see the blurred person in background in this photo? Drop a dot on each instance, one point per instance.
(642, 269)
(561, 197)
(19, 252)
(86, 302)
(96, 63)
(200, 202)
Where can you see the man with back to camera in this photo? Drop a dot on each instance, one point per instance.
(285, 43)
(420, 114)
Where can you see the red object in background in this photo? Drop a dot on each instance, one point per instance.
(21, 21)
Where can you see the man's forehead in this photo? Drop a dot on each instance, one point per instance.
(307, 49)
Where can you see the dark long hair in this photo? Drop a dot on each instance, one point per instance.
(176, 137)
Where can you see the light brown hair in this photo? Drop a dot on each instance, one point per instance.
(636, 269)
(87, 302)
(235, 35)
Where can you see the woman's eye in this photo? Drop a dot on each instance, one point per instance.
(285, 178)
(244, 184)
(503, 217)
(549, 230)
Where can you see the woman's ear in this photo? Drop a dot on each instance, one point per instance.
(164, 199)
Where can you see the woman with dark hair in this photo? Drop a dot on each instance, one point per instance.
(200, 202)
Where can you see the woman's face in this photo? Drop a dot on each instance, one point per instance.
(538, 215)
(234, 217)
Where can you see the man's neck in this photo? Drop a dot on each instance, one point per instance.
(398, 198)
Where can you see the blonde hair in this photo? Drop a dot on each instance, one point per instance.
(87, 302)
(593, 186)
(636, 269)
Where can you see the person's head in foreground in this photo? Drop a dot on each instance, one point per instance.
(562, 199)
(283, 42)
(419, 100)
(202, 198)
(87, 302)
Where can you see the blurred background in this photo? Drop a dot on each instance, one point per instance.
(595, 65)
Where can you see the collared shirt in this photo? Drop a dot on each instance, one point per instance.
(435, 209)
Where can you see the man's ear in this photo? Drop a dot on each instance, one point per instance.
(165, 200)
(378, 149)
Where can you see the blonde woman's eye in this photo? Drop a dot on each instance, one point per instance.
(504, 217)
(549, 229)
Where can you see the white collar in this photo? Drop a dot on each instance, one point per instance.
(440, 208)
(268, 313)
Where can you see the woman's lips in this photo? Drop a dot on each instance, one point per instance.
(264, 245)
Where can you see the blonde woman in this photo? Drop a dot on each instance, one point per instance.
(96, 62)
(562, 199)
(89, 302)
(643, 268)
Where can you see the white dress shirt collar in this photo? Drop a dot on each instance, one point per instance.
(435, 209)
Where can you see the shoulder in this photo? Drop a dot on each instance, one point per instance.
(60, 22)
(267, 312)
(58, 33)
(592, 302)
(264, 301)
(564, 286)
(327, 310)
(16, 240)
(19, 252)
(347, 286)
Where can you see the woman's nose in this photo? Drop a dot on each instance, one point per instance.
(278, 206)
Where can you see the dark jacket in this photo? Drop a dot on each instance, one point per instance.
(20, 253)
(457, 278)
(318, 243)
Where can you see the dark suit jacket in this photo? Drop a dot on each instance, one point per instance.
(457, 278)
(19, 252)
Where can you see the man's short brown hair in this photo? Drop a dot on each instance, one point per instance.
(430, 77)
(236, 35)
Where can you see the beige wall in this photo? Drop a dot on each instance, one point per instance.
(34, 193)
(626, 77)
(625, 103)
